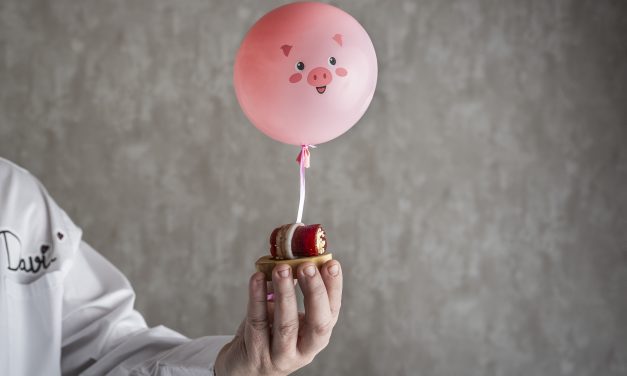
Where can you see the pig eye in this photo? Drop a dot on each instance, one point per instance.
(332, 60)
(300, 66)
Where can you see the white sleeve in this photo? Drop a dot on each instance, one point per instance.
(104, 335)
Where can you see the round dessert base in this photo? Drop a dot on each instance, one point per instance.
(266, 264)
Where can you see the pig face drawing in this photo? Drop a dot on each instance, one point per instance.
(317, 77)
(305, 73)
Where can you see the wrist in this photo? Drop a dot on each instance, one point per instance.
(219, 368)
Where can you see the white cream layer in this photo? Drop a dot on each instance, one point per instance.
(287, 241)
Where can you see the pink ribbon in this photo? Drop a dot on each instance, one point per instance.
(303, 160)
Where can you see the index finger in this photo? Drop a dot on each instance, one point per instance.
(256, 330)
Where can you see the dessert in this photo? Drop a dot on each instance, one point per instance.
(293, 244)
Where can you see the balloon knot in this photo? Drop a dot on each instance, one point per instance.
(304, 155)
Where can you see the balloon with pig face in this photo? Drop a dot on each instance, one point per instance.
(305, 73)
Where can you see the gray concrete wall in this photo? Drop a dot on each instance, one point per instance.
(479, 208)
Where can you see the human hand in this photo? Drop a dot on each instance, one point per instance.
(275, 339)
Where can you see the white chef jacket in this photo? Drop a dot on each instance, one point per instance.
(64, 309)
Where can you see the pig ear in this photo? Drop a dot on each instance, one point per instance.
(338, 39)
(286, 49)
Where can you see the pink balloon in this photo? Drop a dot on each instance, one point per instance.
(305, 73)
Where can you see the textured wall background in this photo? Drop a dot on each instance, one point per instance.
(479, 208)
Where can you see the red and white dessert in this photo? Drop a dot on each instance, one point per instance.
(296, 240)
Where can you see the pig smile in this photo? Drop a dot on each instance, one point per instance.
(321, 89)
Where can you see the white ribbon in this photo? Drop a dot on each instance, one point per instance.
(303, 160)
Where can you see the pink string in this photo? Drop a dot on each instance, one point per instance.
(303, 160)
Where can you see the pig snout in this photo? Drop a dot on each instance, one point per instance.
(319, 78)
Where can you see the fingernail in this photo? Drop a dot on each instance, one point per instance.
(284, 273)
(334, 270)
(310, 270)
(257, 282)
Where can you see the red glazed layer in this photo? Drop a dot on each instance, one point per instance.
(306, 242)
(273, 250)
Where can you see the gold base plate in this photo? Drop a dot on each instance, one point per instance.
(266, 264)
